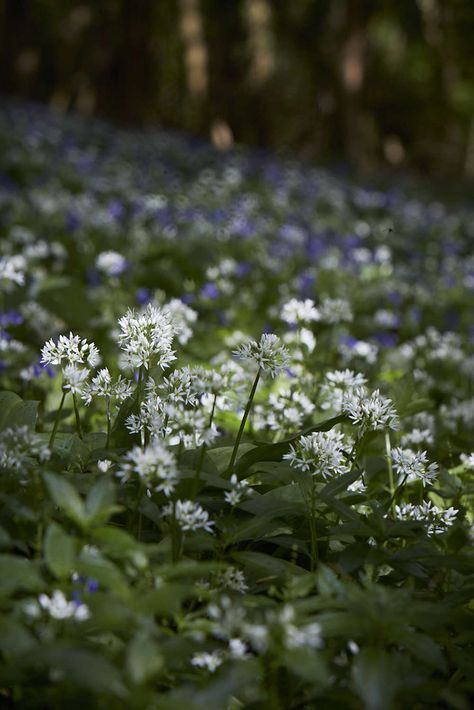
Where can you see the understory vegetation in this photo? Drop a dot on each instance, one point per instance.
(236, 430)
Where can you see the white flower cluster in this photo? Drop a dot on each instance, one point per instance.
(70, 350)
(58, 607)
(270, 356)
(183, 318)
(467, 460)
(233, 579)
(336, 385)
(189, 515)
(436, 520)
(297, 312)
(320, 453)
(238, 490)
(18, 445)
(414, 465)
(111, 263)
(154, 465)
(285, 410)
(146, 338)
(371, 412)
(12, 271)
(335, 310)
(102, 385)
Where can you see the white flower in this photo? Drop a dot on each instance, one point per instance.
(436, 520)
(178, 388)
(336, 384)
(155, 466)
(335, 310)
(468, 460)
(234, 579)
(371, 412)
(297, 312)
(414, 465)
(189, 515)
(70, 350)
(146, 338)
(268, 354)
(111, 263)
(238, 649)
(18, 445)
(74, 378)
(238, 490)
(58, 607)
(320, 453)
(182, 317)
(12, 270)
(209, 661)
(102, 385)
(104, 464)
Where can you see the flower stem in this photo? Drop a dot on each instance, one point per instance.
(388, 450)
(56, 422)
(76, 413)
(312, 525)
(248, 406)
(197, 475)
(109, 424)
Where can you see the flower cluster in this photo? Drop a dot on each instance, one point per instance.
(145, 338)
(267, 353)
(414, 465)
(371, 412)
(320, 454)
(435, 519)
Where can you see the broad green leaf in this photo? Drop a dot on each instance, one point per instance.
(15, 639)
(18, 574)
(144, 659)
(59, 551)
(85, 669)
(15, 412)
(66, 497)
(91, 563)
(100, 501)
(375, 676)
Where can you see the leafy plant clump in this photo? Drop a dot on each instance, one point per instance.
(236, 458)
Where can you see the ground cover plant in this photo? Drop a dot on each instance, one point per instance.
(236, 430)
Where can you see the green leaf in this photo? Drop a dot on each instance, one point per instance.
(100, 502)
(18, 574)
(59, 551)
(15, 640)
(144, 659)
(66, 497)
(375, 678)
(16, 412)
(91, 563)
(85, 669)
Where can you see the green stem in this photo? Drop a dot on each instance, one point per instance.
(109, 424)
(248, 406)
(202, 454)
(76, 413)
(176, 537)
(56, 422)
(312, 524)
(388, 450)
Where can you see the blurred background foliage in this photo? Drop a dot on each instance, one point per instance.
(371, 82)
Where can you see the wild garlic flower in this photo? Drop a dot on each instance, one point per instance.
(70, 350)
(183, 318)
(335, 310)
(74, 378)
(285, 411)
(437, 521)
(58, 607)
(151, 418)
(18, 446)
(155, 466)
(297, 312)
(209, 661)
(102, 385)
(307, 636)
(414, 465)
(268, 354)
(320, 453)
(371, 412)
(189, 515)
(467, 460)
(146, 338)
(189, 427)
(238, 490)
(111, 263)
(104, 465)
(233, 579)
(336, 384)
(12, 271)
(178, 387)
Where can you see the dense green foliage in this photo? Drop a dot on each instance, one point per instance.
(285, 527)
